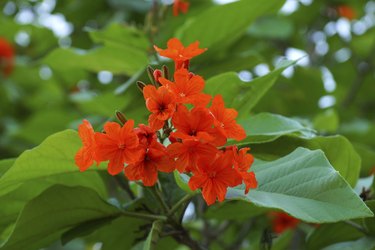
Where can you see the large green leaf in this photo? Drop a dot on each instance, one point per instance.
(241, 95)
(266, 127)
(55, 156)
(305, 185)
(124, 51)
(365, 243)
(338, 150)
(153, 236)
(5, 165)
(54, 211)
(328, 234)
(210, 29)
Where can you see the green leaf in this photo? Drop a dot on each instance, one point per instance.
(241, 95)
(234, 210)
(370, 222)
(305, 185)
(365, 243)
(124, 51)
(182, 180)
(266, 127)
(328, 121)
(337, 149)
(5, 165)
(153, 236)
(54, 211)
(328, 234)
(55, 156)
(215, 33)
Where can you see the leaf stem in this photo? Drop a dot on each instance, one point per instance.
(144, 216)
(184, 199)
(158, 195)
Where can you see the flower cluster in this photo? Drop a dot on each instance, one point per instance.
(187, 131)
(6, 57)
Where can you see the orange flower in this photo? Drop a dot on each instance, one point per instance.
(87, 154)
(282, 221)
(214, 177)
(180, 5)
(196, 124)
(180, 54)
(161, 103)
(119, 145)
(188, 152)
(187, 88)
(346, 11)
(225, 119)
(6, 57)
(146, 169)
(146, 135)
(242, 163)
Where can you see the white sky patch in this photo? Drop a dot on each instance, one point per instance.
(306, 2)
(224, 1)
(330, 28)
(328, 80)
(189, 212)
(297, 54)
(57, 23)
(289, 7)
(343, 28)
(45, 72)
(326, 101)
(342, 55)
(359, 28)
(245, 75)
(261, 69)
(22, 38)
(105, 77)
(9, 8)
(25, 16)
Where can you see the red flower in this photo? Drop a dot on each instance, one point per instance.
(282, 221)
(146, 169)
(188, 152)
(180, 54)
(346, 11)
(196, 124)
(6, 57)
(161, 103)
(214, 176)
(187, 88)
(225, 119)
(87, 153)
(119, 145)
(146, 135)
(180, 5)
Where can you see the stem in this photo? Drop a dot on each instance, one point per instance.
(356, 226)
(144, 216)
(159, 196)
(184, 199)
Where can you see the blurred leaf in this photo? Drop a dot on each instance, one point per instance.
(55, 156)
(125, 54)
(234, 210)
(153, 236)
(215, 33)
(57, 209)
(272, 27)
(365, 243)
(44, 123)
(305, 185)
(182, 180)
(5, 165)
(328, 121)
(370, 222)
(240, 95)
(328, 234)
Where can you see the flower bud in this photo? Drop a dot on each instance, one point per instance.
(141, 85)
(121, 117)
(157, 74)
